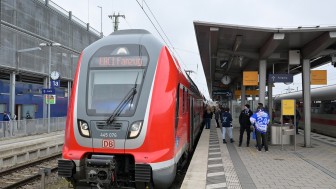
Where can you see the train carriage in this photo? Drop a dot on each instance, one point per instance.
(133, 116)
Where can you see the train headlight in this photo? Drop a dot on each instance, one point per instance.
(83, 128)
(135, 129)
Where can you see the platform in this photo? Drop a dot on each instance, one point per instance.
(218, 165)
(16, 150)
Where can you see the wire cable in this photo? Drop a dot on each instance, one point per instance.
(173, 48)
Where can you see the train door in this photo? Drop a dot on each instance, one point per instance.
(191, 121)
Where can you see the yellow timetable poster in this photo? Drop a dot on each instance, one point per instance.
(288, 107)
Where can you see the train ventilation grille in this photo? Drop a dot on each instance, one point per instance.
(143, 173)
(65, 168)
(112, 126)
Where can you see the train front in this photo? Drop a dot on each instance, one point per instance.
(106, 138)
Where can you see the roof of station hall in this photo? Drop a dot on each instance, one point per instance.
(234, 49)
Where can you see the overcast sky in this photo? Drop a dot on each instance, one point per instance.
(176, 19)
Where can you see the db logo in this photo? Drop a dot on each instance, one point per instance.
(108, 144)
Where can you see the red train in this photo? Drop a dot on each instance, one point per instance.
(133, 117)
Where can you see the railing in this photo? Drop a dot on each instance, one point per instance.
(27, 127)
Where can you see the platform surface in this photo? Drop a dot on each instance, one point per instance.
(218, 165)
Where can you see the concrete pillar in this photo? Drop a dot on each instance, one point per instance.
(262, 81)
(45, 107)
(69, 91)
(306, 101)
(12, 93)
(270, 99)
(243, 96)
(252, 105)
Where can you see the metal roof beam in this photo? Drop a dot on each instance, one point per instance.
(271, 44)
(317, 45)
(238, 40)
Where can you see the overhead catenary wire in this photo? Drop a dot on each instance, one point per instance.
(173, 49)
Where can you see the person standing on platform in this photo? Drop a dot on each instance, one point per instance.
(217, 116)
(226, 119)
(245, 124)
(208, 117)
(260, 120)
(297, 117)
(5, 116)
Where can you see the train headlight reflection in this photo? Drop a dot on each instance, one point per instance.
(135, 129)
(83, 128)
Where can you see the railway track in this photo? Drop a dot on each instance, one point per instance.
(21, 175)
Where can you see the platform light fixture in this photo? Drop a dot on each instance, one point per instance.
(52, 44)
(214, 29)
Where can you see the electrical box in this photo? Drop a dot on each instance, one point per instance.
(294, 57)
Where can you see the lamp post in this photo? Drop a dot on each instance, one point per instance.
(52, 44)
(12, 77)
(101, 20)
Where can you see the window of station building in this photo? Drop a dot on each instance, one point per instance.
(2, 108)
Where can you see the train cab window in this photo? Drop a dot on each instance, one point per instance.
(114, 72)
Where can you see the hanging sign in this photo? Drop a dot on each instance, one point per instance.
(250, 78)
(318, 77)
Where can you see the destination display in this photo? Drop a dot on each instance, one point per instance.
(119, 61)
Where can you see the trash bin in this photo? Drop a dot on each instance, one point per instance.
(276, 134)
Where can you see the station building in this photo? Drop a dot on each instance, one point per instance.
(37, 38)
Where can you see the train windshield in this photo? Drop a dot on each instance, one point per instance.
(112, 76)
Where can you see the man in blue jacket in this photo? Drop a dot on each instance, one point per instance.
(226, 119)
(5, 116)
(260, 120)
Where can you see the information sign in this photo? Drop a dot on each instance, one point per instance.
(48, 91)
(250, 78)
(55, 83)
(280, 78)
(50, 99)
(288, 107)
(318, 77)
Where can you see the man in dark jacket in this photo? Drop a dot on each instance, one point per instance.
(5, 116)
(245, 124)
(226, 119)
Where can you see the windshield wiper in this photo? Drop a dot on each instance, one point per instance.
(129, 96)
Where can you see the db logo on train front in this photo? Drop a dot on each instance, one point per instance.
(108, 143)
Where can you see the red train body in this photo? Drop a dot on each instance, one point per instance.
(134, 115)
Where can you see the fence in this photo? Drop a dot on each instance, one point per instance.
(27, 127)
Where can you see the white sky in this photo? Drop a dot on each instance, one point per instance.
(176, 18)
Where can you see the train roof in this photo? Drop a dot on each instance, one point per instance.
(318, 93)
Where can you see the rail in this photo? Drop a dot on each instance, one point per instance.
(25, 127)
(21, 175)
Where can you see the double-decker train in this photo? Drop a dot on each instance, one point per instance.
(323, 108)
(133, 116)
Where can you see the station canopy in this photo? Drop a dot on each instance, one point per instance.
(228, 50)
